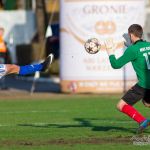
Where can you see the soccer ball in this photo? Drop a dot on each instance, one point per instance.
(92, 46)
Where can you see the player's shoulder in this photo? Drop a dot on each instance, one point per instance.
(131, 47)
(146, 43)
(132, 50)
(139, 44)
(142, 43)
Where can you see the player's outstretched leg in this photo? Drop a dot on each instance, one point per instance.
(6, 69)
(29, 69)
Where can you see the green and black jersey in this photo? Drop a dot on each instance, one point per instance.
(139, 55)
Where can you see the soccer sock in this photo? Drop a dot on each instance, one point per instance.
(133, 113)
(29, 69)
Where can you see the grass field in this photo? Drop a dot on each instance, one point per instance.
(67, 122)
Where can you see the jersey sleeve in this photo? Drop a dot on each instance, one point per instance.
(129, 55)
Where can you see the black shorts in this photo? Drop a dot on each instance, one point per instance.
(135, 94)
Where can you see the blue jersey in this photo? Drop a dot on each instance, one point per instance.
(2, 70)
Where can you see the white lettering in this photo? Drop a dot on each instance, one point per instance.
(144, 49)
(94, 9)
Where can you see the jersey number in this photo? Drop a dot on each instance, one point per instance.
(147, 59)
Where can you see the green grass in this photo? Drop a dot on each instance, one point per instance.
(69, 122)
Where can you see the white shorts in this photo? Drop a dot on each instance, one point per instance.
(3, 70)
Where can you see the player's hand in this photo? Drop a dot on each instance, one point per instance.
(127, 41)
(110, 46)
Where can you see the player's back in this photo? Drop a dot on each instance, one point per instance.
(142, 63)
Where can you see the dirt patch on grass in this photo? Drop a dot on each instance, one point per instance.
(97, 141)
(124, 140)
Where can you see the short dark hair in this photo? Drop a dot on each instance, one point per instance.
(136, 30)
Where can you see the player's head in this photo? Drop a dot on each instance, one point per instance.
(135, 32)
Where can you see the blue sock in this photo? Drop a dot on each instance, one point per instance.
(29, 69)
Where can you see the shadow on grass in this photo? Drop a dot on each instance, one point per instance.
(83, 123)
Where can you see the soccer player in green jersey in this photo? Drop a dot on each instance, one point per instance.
(138, 53)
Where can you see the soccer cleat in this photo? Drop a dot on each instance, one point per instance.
(143, 126)
(47, 62)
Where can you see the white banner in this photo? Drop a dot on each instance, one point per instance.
(84, 19)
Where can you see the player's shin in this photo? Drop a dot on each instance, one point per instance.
(133, 113)
(29, 69)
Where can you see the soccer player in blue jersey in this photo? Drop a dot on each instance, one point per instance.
(6, 69)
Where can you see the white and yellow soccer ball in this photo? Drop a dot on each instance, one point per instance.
(92, 46)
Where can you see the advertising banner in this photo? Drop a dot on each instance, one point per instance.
(83, 19)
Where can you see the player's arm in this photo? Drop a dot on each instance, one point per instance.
(129, 55)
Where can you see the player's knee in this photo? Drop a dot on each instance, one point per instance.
(120, 105)
(12, 68)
